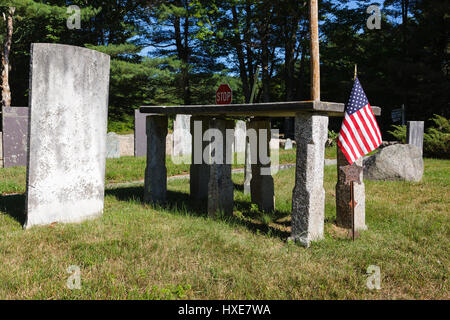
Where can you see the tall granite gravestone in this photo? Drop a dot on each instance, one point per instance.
(67, 138)
(15, 133)
(414, 134)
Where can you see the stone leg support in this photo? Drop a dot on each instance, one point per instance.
(247, 165)
(343, 197)
(308, 198)
(261, 184)
(199, 171)
(155, 188)
(220, 186)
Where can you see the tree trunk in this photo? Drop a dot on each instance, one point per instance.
(6, 92)
(237, 43)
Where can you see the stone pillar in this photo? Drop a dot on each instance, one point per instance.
(199, 171)
(220, 186)
(414, 134)
(247, 166)
(155, 188)
(261, 184)
(308, 198)
(343, 197)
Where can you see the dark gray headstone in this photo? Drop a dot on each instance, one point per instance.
(15, 133)
(140, 137)
(414, 134)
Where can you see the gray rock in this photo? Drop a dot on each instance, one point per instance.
(396, 162)
(67, 136)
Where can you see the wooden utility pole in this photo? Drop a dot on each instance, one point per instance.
(315, 60)
(6, 92)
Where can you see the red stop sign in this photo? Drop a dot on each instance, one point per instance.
(224, 95)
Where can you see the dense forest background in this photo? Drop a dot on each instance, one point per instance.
(178, 51)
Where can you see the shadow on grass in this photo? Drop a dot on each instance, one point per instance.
(181, 203)
(14, 206)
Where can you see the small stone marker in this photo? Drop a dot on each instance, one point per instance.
(68, 123)
(288, 144)
(344, 211)
(414, 134)
(112, 145)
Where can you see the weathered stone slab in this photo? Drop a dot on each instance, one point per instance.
(414, 134)
(182, 140)
(155, 186)
(220, 185)
(112, 145)
(308, 198)
(267, 109)
(343, 197)
(261, 184)
(15, 136)
(67, 138)
(396, 162)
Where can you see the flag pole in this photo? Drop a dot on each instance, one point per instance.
(314, 49)
(356, 72)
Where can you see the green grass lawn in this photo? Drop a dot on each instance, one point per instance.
(136, 251)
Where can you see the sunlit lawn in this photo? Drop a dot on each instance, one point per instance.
(137, 251)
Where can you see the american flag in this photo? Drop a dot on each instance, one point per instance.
(359, 133)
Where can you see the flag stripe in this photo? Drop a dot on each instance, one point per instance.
(344, 141)
(374, 123)
(352, 138)
(350, 142)
(364, 130)
(373, 136)
(345, 150)
(356, 128)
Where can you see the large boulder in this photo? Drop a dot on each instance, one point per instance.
(395, 162)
